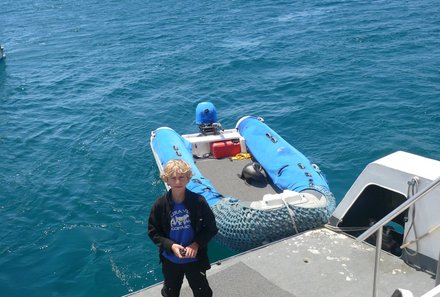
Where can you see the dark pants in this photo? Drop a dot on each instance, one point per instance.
(173, 278)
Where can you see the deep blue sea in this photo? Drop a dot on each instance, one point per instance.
(85, 82)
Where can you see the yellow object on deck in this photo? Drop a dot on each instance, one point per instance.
(241, 156)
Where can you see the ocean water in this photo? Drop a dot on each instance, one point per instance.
(85, 82)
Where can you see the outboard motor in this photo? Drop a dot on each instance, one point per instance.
(206, 118)
(254, 174)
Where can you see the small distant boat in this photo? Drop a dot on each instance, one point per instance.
(260, 187)
(2, 53)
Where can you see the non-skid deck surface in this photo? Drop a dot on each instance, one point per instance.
(224, 175)
(317, 263)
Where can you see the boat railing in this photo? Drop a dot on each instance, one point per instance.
(378, 228)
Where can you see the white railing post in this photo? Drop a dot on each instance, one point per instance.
(377, 260)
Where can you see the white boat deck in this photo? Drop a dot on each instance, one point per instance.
(315, 263)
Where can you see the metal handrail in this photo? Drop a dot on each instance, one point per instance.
(378, 227)
(401, 208)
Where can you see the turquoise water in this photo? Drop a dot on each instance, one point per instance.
(84, 83)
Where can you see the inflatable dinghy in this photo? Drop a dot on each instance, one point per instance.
(259, 187)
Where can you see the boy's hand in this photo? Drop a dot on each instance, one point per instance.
(178, 250)
(191, 250)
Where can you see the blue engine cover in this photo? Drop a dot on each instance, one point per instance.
(287, 167)
(168, 145)
(206, 113)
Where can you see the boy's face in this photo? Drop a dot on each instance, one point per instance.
(178, 181)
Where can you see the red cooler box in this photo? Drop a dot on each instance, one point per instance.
(226, 148)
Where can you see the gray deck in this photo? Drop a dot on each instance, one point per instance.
(313, 264)
(224, 175)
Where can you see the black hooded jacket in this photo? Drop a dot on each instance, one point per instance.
(202, 221)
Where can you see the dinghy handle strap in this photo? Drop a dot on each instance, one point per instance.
(291, 214)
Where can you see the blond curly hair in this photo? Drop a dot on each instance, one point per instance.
(176, 166)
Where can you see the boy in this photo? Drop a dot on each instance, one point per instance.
(181, 224)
